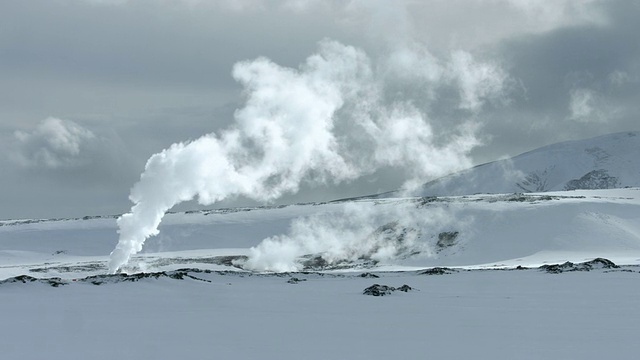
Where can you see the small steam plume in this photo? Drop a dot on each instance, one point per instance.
(358, 232)
(326, 122)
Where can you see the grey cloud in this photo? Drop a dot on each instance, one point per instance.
(66, 151)
(552, 64)
(478, 82)
(55, 143)
(147, 42)
(141, 75)
(62, 168)
(587, 105)
(575, 82)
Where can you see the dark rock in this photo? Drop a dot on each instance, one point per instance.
(558, 268)
(517, 197)
(382, 290)
(426, 200)
(20, 278)
(597, 263)
(295, 280)
(438, 271)
(447, 239)
(229, 260)
(368, 275)
(601, 263)
(54, 282)
(378, 290)
(81, 267)
(535, 181)
(596, 179)
(122, 277)
(316, 262)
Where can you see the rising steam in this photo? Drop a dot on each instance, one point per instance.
(358, 232)
(326, 122)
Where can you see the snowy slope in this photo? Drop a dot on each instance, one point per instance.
(465, 315)
(604, 162)
(56, 301)
(385, 234)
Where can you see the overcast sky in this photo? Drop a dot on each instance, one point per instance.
(90, 89)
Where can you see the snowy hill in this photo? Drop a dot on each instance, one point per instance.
(604, 162)
(384, 234)
(198, 289)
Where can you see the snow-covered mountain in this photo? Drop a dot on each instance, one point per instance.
(604, 162)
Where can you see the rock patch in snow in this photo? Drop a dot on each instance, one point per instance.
(597, 263)
(438, 271)
(382, 290)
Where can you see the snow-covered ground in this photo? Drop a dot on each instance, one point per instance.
(389, 234)
(225, 305)
(466, 315)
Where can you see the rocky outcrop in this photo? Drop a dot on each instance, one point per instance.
(596, 179)
(382, 290)
(597, 263)
(438, 271)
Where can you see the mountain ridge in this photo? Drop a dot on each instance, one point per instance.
(602, 162)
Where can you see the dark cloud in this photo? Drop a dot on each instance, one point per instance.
(54, 144)
(61, 168)
(574, 82)
(551, 64)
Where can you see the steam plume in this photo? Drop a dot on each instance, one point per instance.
(360, 231)
(324, 122)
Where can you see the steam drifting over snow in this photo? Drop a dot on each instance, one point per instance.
(364, 231)
(326, 122)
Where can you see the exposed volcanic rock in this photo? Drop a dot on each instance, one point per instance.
(382, 290)
(597, 263)
(438, 271)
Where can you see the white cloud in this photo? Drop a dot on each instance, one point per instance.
(54, 143)
(588, 106)
(478, 82)
(413, 61)
(619, 78)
